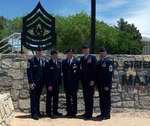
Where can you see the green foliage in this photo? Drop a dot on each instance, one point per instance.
(74, 31)
(128, 38)
(105, 36)
(4, 46)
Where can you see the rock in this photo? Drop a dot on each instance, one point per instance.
(16, 74)
(17, 84)
(24, 94)
(25, 84)
(15, 104)
(116, 105)
(42, 107)
(24, 104)
(16, 65)
(128, 104)
(6, 109)
(3, 72)
(23, 64)
(7, 63)
(14, 94)
(116, 98)
(144, 100)
(5, 81)
(127, 96)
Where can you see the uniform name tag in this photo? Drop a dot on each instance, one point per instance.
(89, 60)
(51, 68)
(103, 65)
(34, 65)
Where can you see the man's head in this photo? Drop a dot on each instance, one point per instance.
(69, 53)
(85, 50)
(54, 54)
(38, 51)
(102, 52)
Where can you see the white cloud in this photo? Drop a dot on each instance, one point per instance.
(109, 5)
(141, 18)
(135, 11)
(110, 11)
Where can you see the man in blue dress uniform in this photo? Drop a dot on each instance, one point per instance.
(71, 71)
(88, 71)
(105, 70)
(35, 71)
(53, 81)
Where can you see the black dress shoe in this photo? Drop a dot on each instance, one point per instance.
(83, 115)
(40, 115)
(88, 117)
(57, 114)
(99, 116)
(49, 116)
(68, 115)
(73, 115)
(105, 117)
(35, 117)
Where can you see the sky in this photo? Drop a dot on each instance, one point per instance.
(109, 11)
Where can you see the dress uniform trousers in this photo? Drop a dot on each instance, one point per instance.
(88, 93)
(35, 100)
(52, 95)
(88, 71)
(105, 102)
(71, 82)
(35, 73)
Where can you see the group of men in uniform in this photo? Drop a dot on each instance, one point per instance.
(90, 71)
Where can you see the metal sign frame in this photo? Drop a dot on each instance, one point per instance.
(38, 29)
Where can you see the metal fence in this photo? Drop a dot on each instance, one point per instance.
(11, 44)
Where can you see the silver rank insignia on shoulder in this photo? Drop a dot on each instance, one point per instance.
(28, 65)
(89, 60)
(110, 68)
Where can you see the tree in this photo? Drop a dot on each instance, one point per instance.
(105, 36)
(2, 19)
(4, 45)
(128, 38)
(72, 31)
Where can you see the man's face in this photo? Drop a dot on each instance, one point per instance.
(54, 56)
(38, 53)
(102, 54)
(69, 54)
(85, 51)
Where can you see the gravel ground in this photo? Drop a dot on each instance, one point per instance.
(117, 119)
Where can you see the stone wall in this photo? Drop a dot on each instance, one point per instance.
(6, 109)
(125, 95)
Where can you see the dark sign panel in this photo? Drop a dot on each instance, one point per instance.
(38, 29)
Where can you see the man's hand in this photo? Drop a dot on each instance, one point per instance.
(32, 86)
(50, 88)
(106, 88)
(91, 83)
